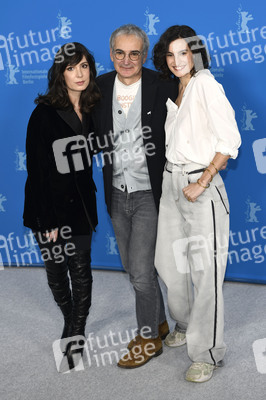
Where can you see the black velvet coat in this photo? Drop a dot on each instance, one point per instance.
(155, 93)
(53, 199)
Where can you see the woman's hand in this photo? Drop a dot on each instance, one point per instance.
(224, 166)
(52, 235)
(193, 191)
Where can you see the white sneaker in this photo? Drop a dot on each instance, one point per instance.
(175, 339)
(200, 372)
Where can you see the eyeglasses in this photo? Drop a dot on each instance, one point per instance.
(133, 55)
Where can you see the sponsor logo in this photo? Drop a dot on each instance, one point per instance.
(19, 52)
(10, 75)
(20, 160)
(2, 199)
(243, 18)
(252, 209)
(248, 116)
(237, 45)
(151, 20)
(99, 68)
(111, 245)
(64, 29)
(259, 150)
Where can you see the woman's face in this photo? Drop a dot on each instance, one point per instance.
(77, 77)
(179, 58)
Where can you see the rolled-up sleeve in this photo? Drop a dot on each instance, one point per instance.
(204, 123)
(224, 127)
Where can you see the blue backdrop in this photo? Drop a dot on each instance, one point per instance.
(235, 33)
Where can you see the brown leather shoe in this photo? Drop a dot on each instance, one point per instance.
(141, 353)
(163, 332)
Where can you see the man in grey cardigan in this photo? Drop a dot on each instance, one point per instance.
(130, 127)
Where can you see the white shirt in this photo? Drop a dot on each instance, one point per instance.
(125, 94)
(203, 125)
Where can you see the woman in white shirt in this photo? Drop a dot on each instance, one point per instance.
(193, 227)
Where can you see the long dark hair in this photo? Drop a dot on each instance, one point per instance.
(57, 94)
(200, 55)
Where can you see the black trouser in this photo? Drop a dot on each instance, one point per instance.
(64, 259)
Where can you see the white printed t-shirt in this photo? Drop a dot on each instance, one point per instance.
(125, 94)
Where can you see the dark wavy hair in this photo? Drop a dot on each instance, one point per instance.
(57, 94)
(161, 48)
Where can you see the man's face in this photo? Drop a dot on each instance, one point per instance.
(128, 71)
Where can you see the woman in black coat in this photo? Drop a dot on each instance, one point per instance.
(60, 202)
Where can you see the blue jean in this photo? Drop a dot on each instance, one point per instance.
(134, 218)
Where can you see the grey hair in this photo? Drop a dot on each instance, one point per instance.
(130, 29)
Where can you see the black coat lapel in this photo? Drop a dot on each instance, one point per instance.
(71, 118)
(87, 125)
(149, 89)
(108, 103)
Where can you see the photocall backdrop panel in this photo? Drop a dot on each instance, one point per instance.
(235, 34)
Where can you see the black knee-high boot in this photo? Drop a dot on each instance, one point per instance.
(81, 281)
(57, 275)
(58, 282)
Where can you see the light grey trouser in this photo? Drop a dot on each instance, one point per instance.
(191, 253)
